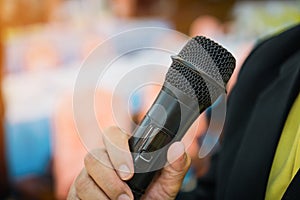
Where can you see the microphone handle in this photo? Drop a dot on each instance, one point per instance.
(139, 183)
(147, 164)
(165, 123)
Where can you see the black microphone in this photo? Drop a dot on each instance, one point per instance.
(197, 77)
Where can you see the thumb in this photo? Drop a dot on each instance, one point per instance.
(178, 160)
(168, 184)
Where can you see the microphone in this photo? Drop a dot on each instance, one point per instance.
(196, 78)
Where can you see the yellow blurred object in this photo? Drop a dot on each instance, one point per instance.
(4, 186)
(25, 12)
(188, 10)
(286, 162)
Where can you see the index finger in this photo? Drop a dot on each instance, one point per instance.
(116, 143)
(72, 193)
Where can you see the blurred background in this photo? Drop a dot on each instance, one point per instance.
(42, 46)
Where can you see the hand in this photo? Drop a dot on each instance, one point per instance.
(106, 170)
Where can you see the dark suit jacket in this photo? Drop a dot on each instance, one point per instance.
(258, 106)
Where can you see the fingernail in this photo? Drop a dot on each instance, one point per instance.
(124, 171)
(123, 197)
(176, 152)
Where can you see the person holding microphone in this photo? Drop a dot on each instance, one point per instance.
(259, 152)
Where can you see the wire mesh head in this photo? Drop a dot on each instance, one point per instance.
(202, 70)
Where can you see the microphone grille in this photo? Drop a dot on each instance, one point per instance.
(209, 68)
(209, 57)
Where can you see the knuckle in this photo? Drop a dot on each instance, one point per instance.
(123, 187)
(89, 159)
(82, 184)
(72, 193)
(116, 189)
(94, 157)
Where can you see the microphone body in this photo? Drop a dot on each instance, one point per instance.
(188, 90)
(166, 122)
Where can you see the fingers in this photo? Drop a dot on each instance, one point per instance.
(105, 170)
(86, 187)
(177, 167)
(177, 158)
(100, 179)
(99, 168)
(168, 184)
(72, 193)
(116, 143)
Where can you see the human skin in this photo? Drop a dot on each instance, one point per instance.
(106, 169)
